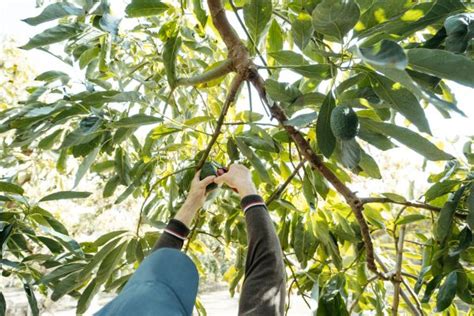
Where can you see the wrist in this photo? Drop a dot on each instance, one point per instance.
(247, 190)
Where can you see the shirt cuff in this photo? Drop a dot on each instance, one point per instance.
(250, 201)
(177, 229)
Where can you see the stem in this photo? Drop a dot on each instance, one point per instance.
(276, 194)
(415, 310)
(207, 76)
(354, 303)
(398, 271)
(290, 265)
(234, 89)
(425, 206)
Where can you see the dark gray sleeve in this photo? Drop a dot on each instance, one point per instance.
(173, 237)
(264, 287)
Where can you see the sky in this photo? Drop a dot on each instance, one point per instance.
(450, 133)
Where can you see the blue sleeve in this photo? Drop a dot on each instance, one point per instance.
(166, 283)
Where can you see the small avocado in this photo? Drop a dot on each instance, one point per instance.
(344, 122)
(208, 169)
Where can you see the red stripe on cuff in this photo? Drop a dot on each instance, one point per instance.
(253, 204)
(175, 234)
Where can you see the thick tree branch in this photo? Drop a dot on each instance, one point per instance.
(234, 89)
(429, 207)
(219, 71)
(244, 66)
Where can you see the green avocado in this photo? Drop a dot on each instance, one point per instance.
(208, 169)
(344, 122)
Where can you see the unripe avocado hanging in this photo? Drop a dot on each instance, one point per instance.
(208, 169)
(344, 122)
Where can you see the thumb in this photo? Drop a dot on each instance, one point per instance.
(221, 179)
(208, 180)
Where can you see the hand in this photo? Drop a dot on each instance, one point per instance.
(197, 192)
(194, 200)
(238, 177)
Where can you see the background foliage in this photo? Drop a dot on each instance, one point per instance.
(164, 66)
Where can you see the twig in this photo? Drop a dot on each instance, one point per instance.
(398, 271)
(289, 297)
(250, 98)
(244, 123)
(354, 303)
(234, 88)
(248, 34)
(276, 194)
(278, 14)
(429, 207)
(415, 310)
(219, 71)
(290, 265)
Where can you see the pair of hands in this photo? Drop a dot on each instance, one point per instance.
(237, 177)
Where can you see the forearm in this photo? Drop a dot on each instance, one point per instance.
(177, 229)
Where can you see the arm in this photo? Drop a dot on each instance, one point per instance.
(263, 290)
(178, 228)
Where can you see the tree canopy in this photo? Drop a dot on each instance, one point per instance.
(153, 98)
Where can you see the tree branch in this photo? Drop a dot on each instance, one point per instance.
(234, 88)
(219, 71)
(242, 63)
(413, 308)
(398, 271)
(290, 265)
(429, 207)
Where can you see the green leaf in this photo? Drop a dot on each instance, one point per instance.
(257, 15)
(54, 11)
(324, 135)
(470, 205)
(141, 8)
(65, 195)
(88, 56)
(170, 52)
(319, 71)
(447, 291)
(386, 53)
(445, 219)
(53, 35)
(199, 12)
(232, 150)
(247, 116)
(137, 121)
(302, 30)
(410, 219)
(302, 120)
(85, 165)
(61, 271)
(11, 188)
(440, 188)
(111, 186)
(50, 76)
(30, 294)
(369, 166)
(65, 286)
(274, 38)
(401, 99)
(288, 58)
(254, 160)
(335, 18)
(110, 261)
(86, 297)
(281, 92)
(102, 240)
(441, 63)
(410, 139)
(350, 153)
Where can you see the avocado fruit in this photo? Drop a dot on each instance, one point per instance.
(344, 123)
(208, 169)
